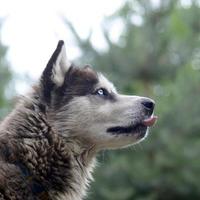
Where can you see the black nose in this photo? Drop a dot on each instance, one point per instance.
(148, 105)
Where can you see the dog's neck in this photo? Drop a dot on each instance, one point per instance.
(62, 167)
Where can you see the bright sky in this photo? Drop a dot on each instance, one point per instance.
(33, 27)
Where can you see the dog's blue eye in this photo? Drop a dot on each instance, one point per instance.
(101, 92)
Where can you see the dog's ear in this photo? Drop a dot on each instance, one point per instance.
(54, 73)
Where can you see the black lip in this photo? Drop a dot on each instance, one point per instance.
(138, 128)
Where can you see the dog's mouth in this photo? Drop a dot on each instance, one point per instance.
(139, 128)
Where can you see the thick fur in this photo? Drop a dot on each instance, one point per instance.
(49, 142)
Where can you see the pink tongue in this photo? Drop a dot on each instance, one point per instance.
(150, 121)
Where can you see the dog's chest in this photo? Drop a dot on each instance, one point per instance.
(78, 183)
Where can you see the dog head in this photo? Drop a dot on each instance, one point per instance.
(84, 104)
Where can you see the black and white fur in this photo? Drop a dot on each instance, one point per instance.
(49, 142)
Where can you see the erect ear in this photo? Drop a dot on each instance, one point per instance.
(54, 73)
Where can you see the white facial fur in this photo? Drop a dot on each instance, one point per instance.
(105, 83)
(89, 117)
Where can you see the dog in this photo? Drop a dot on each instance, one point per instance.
(49, 142)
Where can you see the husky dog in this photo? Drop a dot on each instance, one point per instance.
(49, 142)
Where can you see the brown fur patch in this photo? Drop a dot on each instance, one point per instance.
(78, 82)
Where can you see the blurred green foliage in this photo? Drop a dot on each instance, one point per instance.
(157, 54)
(5, 77)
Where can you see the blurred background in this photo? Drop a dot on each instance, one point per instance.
(146, 47)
